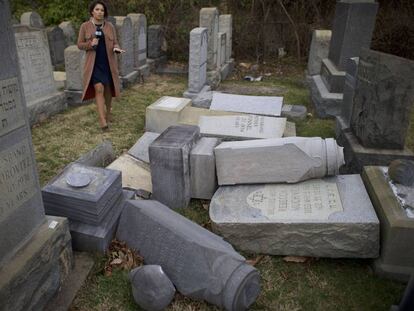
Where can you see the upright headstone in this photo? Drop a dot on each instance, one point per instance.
(31, 243)
(74, 64)
(156, 37)
(126, 63)
(226, 26)
(197, 67)
(319, 50)
(69, 32)
(31, 19)
(221, 49)
(209, 18)
(139, 25)
(36, 69)
(57, 45)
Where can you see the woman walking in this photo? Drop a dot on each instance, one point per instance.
(100, 75)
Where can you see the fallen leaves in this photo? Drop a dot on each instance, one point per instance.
(121, 257)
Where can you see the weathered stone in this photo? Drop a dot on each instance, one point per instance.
(278, 160)
(402, 172)
(140, 149)
(221, 49)
(333, 78)
(209, 18)
(202, 99)
(327, 104)
(156, 41)
(319, 50)
(139, 25)
(69, 32)
(200, 264)
(74, 63)
(100, 156)
(197, 68)
(151, 287)
(294, 112)
(397, 229)
(242, 127)
(31, 19)
(203, 168)
(170, 165)
(260, 105)
(226, 26)
(383, 100)
(332, 217)
(57, 45)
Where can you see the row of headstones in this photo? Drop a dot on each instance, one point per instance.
(367, 91)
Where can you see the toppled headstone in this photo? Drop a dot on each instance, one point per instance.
(332, 217)
(242, 127)
(288, 160)
(203, 168)
(170, 165)
(200, 264)
(140, 149)
(151, 287)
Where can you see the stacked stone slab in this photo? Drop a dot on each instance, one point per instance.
(226, 26)
(57, 45)
(381, 110)
(74, 64)
(169, 158)
(42, 97)
(35, 251)
(197, 67)
(332, 217)
(126, 61)
(91, 198)
(139, 24)
(353, 26)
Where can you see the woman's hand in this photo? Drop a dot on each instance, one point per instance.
(119, 51)
(95, 42)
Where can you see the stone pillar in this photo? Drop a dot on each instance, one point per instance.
(74, 64)
(31, 243)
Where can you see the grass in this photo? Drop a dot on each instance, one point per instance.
(319, 284)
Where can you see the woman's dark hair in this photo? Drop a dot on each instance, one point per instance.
(93, 5)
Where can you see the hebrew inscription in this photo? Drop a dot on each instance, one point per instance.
(11, 109)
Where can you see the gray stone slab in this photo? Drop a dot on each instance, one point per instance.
(260, 105)
(332, 218)
(203, 168)
(349, 89)
(197, 64)
(319, 50)
(41, 109)
(151, 287)
(242, 127)
(156, 38)
(74, 64)
(32, 19)
(57, 45)
(190, 255)
(327, 104)
(226, 26)
(100, 156)
(221, 49)
(278, 160)
(170, 165)
(352, 29)
(139, 25)
(294, 112)
(203, 99)
(209, 18)
(124, 31)
(69, 32)
(383, 100)
(140, 149)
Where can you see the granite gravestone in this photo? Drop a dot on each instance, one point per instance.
(170, 165)
(319, 50)
(35, 252)
(139, 24)
(209, 18)
(221, 50)
(74, 64)
(332, 217)
(226, 26)
(69, 33)
(32, 19)
(200, 264)
(126, 61)
(197, 67)
(156, 38)
(383, 100)
(57, 45)
(36, 69)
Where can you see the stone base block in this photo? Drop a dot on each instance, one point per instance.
(34, 275)
(45, 107)
(357, 156)
(144, 72)
(203, 99)
(155, 62)
(294, 112)
(74, 98)
(326, 104)
(129, 79)
(192, 95)
(397, 229)
(213, 78)
(333, 78)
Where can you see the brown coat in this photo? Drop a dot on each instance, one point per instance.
(86, 34)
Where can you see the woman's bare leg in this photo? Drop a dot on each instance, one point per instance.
(100, 104)
(108, 103)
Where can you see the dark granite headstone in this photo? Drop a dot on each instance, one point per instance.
(57, 45)
(349, 90)
(69, 32)
(169, 158)
(352, 29)
(200, 264)
(383, 99)
(156, 37)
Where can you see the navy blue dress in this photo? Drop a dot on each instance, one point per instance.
(101, 70)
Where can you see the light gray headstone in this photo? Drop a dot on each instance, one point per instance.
(57, 44)
(35, 63)
(319, 50)
(200, 264)
(125, 35)
(226, 26)
(197, 68)
(332, 217)
(31, 19)
(74, 64)
(69, 32)
(139, 25)
(383, 100)
(140, 149)
(156, 40)
(221, 49)
(209, 18)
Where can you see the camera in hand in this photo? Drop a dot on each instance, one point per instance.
(98, 35)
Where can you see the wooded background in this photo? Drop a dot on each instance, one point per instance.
(260, 27)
